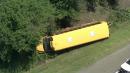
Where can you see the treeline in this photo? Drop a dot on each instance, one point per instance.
(23, 22)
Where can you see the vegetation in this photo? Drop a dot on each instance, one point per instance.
(23, 22)
(73, 61)
(80, 57)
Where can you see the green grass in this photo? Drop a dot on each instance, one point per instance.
(83, 57)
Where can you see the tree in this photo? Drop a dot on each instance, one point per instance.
(22, 22)
(66, 10)
(109, 3)
(91, 5)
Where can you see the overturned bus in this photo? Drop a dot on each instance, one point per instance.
(85, 34)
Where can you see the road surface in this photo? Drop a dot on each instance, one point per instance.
(109, 64)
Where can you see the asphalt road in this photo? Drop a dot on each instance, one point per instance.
(109, 64)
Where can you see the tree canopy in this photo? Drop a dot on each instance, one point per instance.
(23, 22)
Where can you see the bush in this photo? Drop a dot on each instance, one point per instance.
(118, 16)
(66, 11)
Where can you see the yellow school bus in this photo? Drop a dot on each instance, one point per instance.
(86, 34)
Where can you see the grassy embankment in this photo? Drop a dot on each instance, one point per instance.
(84, 56)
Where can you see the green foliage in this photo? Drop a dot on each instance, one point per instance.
(22, 22)
(112, 3)
(118, 16)
(66, 11)
(109, 3)
(92, 4)
(65, 7)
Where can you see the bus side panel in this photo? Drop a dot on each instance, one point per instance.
(80, 36)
